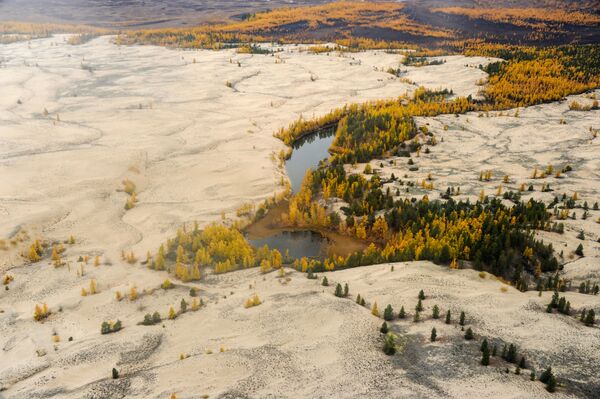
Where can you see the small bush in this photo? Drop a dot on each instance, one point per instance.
(254, 300)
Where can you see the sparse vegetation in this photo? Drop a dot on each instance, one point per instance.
(254, 300)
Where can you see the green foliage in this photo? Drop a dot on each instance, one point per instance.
(436, 312)
(384, 328)
(338, 291)
(389, 344)
(388, 313)
(110, 327)
(469, 334)
(485, 356)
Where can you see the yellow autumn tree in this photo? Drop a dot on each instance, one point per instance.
(375, 310)
(160, 258)
(33, 253)
(380, 228)
(195, 274)
(265, 266)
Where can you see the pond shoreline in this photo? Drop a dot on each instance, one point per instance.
(272, 224)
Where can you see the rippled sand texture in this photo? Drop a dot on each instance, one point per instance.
(193, 146)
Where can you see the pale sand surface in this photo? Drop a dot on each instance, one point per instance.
(202, 148)
(193, 146)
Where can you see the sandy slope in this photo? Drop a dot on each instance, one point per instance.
(301, 342)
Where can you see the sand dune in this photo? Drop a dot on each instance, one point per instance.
(196, 147)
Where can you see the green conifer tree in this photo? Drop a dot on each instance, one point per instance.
(384, 328)
(469, 334)
(402, 313)
(388, 313)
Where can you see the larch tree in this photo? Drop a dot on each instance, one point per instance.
(375, 310)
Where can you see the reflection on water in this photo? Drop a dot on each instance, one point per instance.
(298, 243)
(308, 152)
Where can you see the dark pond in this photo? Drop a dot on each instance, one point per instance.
(308, 152)
(298, 243)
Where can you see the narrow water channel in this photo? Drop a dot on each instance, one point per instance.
(308, 152)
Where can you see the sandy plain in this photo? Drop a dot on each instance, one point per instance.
(196, 147)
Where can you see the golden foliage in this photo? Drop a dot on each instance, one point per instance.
(41, 312)
(254, 300)
(341, 17)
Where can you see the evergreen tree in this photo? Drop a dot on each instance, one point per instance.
(579, 250)
(551, 384)
(448, 317)
(183, 306)
(419, 307)
(469, 334)
(433, 334)
(358, 299)
(402, 313)
(590, 318)
(511, 355)
(115, 373)
(416, 317)
(555, 300)
(462, 319)
(484, 345)
(532, 375)
(362, 302)
(105, 329)
(346, 290)
(172, 314)
(117, 326)
(325, 283)
(545, 376)
(422, 295)
(485, 356)
(436, 312)
(147, 320)
(518, 371)
(389, 345)
(156, 318)
(388, 313)
(384, 328)
(338, 290)
(583, 313)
